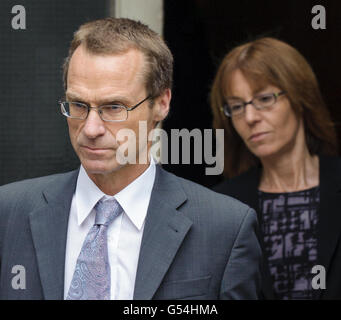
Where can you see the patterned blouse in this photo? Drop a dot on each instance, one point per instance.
(288, 224)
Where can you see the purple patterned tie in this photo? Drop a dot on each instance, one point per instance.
(91, 279)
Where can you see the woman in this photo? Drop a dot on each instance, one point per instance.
(280, 147)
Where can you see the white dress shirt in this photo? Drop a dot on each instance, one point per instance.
(124, 233)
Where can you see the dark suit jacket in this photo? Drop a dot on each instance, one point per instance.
(245, 188)
(197, 244)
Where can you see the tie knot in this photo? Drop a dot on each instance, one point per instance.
(107, 211)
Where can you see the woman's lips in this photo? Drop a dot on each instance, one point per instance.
(258, 136)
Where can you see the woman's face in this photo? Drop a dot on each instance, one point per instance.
(266, 132)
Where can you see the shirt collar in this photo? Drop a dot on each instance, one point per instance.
(134, 198)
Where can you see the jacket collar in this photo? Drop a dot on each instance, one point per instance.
(329, 225)
(165, 229)
(49, 230)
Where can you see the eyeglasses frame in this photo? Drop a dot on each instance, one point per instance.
(227, 114)
(99, 109)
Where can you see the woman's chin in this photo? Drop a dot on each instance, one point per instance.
(263, 151)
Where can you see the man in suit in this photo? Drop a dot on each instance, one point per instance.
(115, 229)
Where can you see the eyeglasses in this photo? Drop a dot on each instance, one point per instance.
(111, 113)
(235, 107)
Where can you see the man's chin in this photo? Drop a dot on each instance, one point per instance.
(98, 167)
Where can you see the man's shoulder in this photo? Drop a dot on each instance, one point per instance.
(17, 199)
(212, 204)
(32, 187)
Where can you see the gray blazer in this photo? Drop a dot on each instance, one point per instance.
(197, 244)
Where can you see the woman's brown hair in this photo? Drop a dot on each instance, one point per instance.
(268, 61)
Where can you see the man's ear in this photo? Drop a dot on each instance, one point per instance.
(161, 105)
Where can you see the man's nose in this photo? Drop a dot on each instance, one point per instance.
(94, 125)
(251, 114)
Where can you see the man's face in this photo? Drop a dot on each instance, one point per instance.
(103, 80)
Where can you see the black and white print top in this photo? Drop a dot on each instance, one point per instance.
(288, 225)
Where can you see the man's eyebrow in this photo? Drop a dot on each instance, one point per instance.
(109, 100)
(112, 100)
(73, 97)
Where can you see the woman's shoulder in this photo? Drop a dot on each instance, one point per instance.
(238, 183)
(330, 160)
(330, 169)
(330, 166)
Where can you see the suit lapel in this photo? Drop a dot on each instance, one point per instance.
(329, 226)
(164, 231)
(49, 230)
